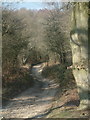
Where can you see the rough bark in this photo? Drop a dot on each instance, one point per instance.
(79, 46)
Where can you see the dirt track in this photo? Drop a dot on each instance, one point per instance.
(34, 102)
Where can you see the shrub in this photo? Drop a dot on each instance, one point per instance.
(55, 71)
(15, 83)
(62, 75)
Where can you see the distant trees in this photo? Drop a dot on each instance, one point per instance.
(22, 38)
(12, 39)
(30, 36)
(57, 33)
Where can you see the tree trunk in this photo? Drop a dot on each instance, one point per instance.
(79, 46)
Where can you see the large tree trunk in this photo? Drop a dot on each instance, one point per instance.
(79, 46)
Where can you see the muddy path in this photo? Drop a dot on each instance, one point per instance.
(35, 102)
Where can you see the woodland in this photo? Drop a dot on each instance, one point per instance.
(58, 40)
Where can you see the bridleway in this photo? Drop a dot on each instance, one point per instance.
(34, 102)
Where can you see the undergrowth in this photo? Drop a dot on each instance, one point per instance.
(61, 74)
(66, 95)
(15, 83)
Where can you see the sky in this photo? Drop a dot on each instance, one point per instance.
(27, 5)
(31, 5)
(40, 4)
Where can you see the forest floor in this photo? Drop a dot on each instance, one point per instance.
(44, 100)
(34, 102)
